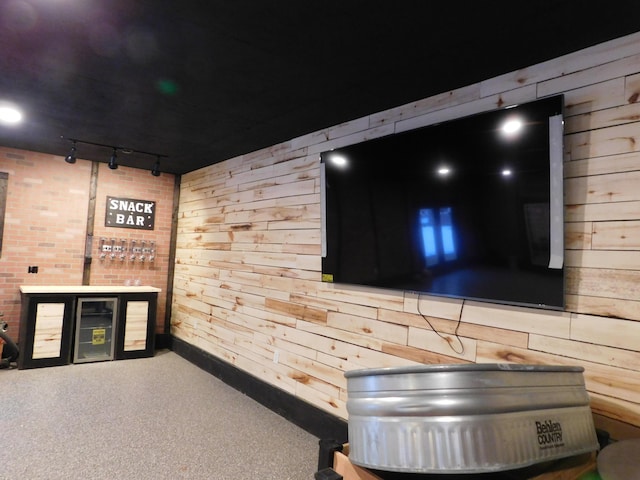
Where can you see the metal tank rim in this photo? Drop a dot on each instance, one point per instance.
(470, 367)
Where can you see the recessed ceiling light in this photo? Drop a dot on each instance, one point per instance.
(10, 115)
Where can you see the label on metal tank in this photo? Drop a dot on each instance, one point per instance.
(549, 434)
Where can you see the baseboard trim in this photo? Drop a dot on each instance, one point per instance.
(308, 417)
(163, 341)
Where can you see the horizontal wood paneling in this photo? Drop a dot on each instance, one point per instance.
(603, 306)
(248, 287)
(616, 235)
(602, 211)
(620, 333)
(602, 165)
(481, 104)
(611, 259)
(591, 98)
(607, 141)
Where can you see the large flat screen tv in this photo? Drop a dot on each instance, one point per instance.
(470, 208)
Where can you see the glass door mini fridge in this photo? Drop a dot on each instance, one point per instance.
(95, 329)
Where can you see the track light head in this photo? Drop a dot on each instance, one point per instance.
(113, 161)
(71, 158)
(155, 171)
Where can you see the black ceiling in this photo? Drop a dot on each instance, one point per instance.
(203, 81)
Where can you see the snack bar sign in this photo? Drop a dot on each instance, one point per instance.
(130, 213)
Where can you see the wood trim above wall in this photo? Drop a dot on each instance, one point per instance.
(91, 218)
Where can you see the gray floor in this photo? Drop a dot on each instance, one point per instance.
(150, 418)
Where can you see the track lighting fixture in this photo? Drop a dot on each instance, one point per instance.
(155, 171)
(113, 161)
(71, 158)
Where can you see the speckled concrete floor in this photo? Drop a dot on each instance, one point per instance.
(150, 418)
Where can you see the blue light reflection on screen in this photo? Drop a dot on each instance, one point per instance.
(432, 227)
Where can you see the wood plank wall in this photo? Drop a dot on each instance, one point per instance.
(247, 278)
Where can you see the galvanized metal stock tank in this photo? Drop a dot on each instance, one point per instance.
(467, 418)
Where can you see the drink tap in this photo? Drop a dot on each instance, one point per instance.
(123, 249)
(143, 250)
(152, 251)
(101, 248)
(132, 257)
(113, 249)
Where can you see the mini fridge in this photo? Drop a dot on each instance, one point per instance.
(95, 329)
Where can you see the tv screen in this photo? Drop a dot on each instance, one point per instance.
(470, 208)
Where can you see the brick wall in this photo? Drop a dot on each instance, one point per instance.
(46, 226)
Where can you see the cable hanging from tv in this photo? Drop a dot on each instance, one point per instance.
(446, 338)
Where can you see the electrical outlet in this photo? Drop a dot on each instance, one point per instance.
(276, 356)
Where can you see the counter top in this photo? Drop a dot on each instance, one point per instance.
(82, 289)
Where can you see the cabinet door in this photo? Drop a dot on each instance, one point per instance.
(45, 332)
(136, 326)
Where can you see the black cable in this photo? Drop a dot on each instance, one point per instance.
(445, 338)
